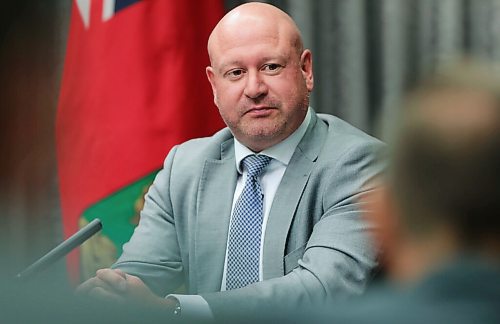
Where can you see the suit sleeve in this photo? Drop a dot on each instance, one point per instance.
(160, 268)
(338, 257)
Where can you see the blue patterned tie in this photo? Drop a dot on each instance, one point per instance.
(246, 228)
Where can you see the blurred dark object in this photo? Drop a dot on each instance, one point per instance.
(32, 42)
(61, 250)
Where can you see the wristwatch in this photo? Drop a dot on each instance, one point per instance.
(177, 308)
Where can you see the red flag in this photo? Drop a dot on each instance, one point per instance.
(133, 86)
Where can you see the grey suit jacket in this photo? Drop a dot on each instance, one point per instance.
(315, 246)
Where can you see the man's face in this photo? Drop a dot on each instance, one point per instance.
(261, 85)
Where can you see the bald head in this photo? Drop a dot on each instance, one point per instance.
(256, 20)
(260, 74)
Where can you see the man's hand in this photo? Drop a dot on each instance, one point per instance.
(116, 285)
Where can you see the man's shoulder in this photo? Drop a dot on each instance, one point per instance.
(341, 138)
(205, 147)
(185, 161)
(339, 128)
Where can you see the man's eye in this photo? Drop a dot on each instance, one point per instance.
(273, 67)
(234, 73)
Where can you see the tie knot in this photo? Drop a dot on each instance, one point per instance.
(255, 164)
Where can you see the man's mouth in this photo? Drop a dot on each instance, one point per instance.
(260, 111)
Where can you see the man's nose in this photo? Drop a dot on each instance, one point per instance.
(255, 86)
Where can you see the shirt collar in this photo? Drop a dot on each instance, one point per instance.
(281, 152)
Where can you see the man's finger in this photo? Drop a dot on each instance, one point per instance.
(121, 273)
(114, 278)
(92, 283)
(85, 287)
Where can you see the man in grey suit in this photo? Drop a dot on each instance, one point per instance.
(241, 242)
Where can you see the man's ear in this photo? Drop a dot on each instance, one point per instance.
(307, 69)
(211, 78)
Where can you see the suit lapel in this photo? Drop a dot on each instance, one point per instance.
(288, 196)
(215, 192)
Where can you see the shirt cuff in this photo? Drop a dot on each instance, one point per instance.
(193, 307)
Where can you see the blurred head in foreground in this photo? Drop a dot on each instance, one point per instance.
(442, 195)
(438, 213)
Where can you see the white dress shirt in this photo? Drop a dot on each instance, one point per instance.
(194, 306)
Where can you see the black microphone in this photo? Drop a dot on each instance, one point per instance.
(62, 249)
